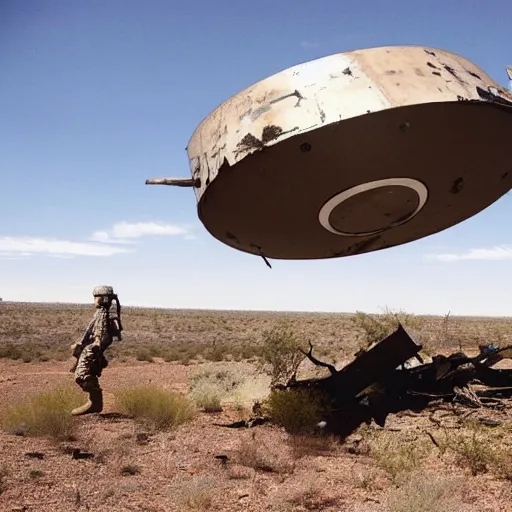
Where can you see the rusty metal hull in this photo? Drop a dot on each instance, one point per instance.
(352, 153)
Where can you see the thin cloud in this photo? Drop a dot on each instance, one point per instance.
(309, 44)
(499, 252)
(123, 232)
(120, 239)
(24, 247)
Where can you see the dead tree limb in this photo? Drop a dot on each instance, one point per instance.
(433, 439)
(316, 362)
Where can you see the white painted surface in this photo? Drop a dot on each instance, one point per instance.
(329, 90)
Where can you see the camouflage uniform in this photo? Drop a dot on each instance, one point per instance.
(89, 351)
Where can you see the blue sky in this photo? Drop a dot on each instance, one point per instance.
(98, 95)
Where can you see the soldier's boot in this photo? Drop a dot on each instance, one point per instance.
(93, 405)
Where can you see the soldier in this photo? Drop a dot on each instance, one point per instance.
(89, 351)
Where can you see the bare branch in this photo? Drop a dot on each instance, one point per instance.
(316, 362)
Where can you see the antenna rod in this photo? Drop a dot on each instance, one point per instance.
(175, 182)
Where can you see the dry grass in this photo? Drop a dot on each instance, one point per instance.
(312, 446)
(313, 499)
(239, 473)
(35, 474)
(28, 352)
(42, 332)
(212, 384)
(481, 449)
(195, 493)
(422, 492)
(4, 473)
(397, 455)
(156, 407)
(45, 414)
(129, 470)
(257, 455)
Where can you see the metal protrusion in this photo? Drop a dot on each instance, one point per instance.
(266, 261)
(175, 182)
(509, 72)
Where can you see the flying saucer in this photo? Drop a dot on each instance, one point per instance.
(352, 153)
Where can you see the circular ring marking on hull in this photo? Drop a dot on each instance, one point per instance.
(421, 191)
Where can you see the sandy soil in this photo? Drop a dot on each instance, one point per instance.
(180, 471)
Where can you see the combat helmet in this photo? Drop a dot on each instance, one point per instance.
(103, 291)
(106, 292)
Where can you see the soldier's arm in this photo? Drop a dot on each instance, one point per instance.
(79, 345)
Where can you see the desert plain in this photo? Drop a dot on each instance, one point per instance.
(444, 458)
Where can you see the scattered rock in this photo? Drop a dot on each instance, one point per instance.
(142, 438)
(77, 453)
(35, 455)
(359, 447)
(222, 458)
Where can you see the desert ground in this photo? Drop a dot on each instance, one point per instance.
(116, 461)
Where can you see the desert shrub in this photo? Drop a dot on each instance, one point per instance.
(249, 351)
(374, 328)
(4, 473)
(257, 455)
(129, 470)
(143, 354)
(200, 495)
(312, 498)
(155, 350)
(473, 451)
(425, 493)
(208, 399)
(195, 493)
(312, 446)
(297, 410)
(35, 474)
(45, 414)
(396, 455)
(479, 450)
(210, 385)
(28, 352)
(10, 351)
(217, 352)
(280, 355)
(502, 464)
(159, 408)
(171, 354)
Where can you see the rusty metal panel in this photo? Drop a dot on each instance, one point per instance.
(352, 153)
(325, 91)
(376, 363)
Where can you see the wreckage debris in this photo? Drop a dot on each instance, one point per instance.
(381, 381)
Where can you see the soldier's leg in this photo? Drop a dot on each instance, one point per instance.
(86, 376)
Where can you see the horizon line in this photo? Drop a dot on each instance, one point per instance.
(228, 310)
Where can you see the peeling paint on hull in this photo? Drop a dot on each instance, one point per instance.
(363, 131)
